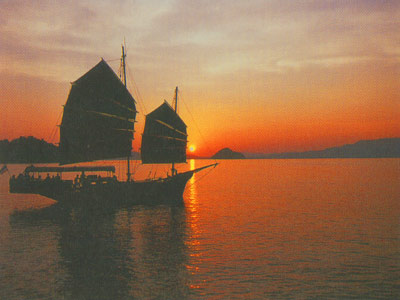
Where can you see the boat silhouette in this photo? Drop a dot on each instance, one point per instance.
(98, 124)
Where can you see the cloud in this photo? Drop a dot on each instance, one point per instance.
(227, 36)
(222, 36)
(52, 38)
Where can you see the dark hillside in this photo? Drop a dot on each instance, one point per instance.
(27, 150)
(381, 148)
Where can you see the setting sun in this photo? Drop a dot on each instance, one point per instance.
(192, 148)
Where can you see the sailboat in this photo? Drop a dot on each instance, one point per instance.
(98, 124)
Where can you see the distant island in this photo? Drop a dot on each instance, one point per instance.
(227, 153)
(380, 148)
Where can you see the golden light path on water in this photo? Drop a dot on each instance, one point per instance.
(193, 206)
(193, 220)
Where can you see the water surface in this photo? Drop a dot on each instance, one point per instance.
(250, 229)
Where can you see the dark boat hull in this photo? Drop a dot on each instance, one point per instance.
(162, 191)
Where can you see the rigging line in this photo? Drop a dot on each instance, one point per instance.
(131, 83)
(136, 91)
(195, 123)
(151, 171)
(136, 166)
(54, 131)
(204, 175)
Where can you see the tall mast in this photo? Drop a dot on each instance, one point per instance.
(128, 174)
(176, 99)
(173, 170)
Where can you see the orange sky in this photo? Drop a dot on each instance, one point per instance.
(257, 76)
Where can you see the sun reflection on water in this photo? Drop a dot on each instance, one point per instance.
(192, 185)
(193, 222)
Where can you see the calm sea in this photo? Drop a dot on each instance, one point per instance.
(250, 229)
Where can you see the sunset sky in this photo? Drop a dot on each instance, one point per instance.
(257, 75)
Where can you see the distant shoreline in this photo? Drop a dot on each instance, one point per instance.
(379, 148)
(335, 158)
(28, 150)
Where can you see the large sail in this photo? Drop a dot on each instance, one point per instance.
(164, 137)
(98, 119)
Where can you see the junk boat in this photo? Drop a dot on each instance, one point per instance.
(98, 124)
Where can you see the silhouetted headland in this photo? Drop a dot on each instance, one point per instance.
(32, 150)
(27, 150)
(380, 148)
(227, 153)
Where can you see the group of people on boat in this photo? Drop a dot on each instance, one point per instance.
(26, 182)
(26, 177)
(82, 180)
